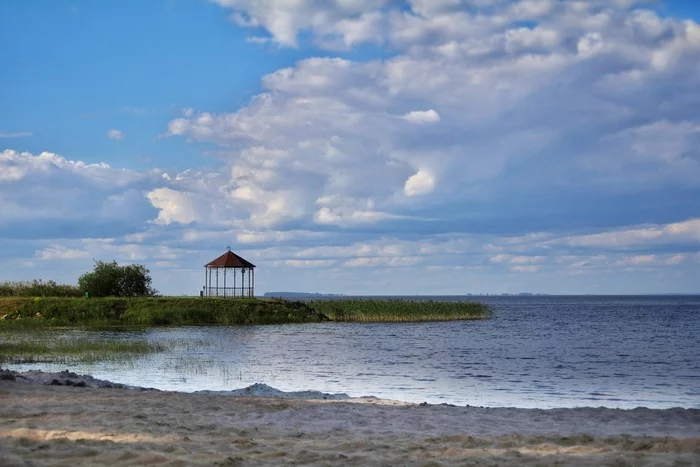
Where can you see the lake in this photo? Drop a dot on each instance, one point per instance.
(539, 351)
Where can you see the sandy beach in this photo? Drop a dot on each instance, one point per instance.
(85, 424)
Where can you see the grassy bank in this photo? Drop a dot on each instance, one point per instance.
(192, 311)
(151, 311)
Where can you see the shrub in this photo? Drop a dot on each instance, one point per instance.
(113, 280)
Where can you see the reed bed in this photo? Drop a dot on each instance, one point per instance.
(392, 311)
(38, 348)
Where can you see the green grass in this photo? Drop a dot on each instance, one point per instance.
(194, 311)
(41, 348)
(392, 311)
(150, 311)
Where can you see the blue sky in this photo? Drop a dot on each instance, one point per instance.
(370, 147)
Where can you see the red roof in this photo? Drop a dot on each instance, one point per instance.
(229, 260)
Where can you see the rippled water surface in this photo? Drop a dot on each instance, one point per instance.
(535, 352)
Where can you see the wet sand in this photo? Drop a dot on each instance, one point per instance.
(42, 424)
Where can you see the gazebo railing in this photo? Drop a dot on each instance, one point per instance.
(228, 292)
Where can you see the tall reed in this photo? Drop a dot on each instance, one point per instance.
(379, 310)
(38, 348)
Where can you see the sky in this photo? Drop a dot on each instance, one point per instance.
(355, 146)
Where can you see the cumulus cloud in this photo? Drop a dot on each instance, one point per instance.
(331, 21)
(175, 206)
(116, 134)
(420, 183)
(586, 98)
(47, 194)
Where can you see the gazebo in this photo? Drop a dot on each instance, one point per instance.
(235, 288)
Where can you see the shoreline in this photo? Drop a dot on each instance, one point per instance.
(103, 423)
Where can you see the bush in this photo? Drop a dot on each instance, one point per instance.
(112, 280)
(38, 288)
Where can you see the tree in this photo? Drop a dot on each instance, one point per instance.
(112, 280)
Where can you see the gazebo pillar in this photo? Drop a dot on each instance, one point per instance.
(209, 288)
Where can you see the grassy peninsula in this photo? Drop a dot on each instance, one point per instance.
(193, 311)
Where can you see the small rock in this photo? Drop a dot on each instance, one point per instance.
(8, 377)
(423, 404)
(55, 382)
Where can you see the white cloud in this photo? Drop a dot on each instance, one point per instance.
(60, 252)
(54, 189)
(116, 134)
(176, 206)
(349, 22)
(270, 236)
(511, 100)
(420, 183)
(383, 262)
(422, 116)
(304, 264)
(686, 231)
(517, 259)
(343, 216)
(525, 268)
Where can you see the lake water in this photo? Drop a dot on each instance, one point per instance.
(543, 352)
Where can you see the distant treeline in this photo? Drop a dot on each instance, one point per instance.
(38, 288)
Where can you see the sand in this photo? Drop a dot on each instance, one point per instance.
(43, 424)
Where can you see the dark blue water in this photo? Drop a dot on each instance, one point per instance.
(535, 352)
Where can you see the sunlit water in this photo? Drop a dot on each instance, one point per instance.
(535, 352)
